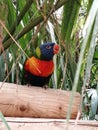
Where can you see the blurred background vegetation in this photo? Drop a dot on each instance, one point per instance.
(73, 24)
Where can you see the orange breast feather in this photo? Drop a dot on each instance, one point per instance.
(39, 67)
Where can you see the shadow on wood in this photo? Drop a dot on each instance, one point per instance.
(36, 102)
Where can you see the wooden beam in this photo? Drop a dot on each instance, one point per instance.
(47, 124)
(23, 101)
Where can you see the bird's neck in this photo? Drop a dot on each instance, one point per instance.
(39, 55)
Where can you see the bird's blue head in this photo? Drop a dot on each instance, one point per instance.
(47, 50)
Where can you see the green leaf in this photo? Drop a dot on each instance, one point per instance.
(4, 121)
(11, 13)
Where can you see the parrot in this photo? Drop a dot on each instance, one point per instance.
(39, 67)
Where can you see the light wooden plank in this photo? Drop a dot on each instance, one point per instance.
(23, 101)
(47, 124)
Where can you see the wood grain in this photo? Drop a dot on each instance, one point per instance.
(36, 102)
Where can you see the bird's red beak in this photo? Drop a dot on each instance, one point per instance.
(56, 49)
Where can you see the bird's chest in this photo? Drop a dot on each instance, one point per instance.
(39, 67)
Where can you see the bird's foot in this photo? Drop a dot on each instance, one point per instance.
(45, 86)
(29, 85)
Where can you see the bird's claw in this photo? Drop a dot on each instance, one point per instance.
(45, 86)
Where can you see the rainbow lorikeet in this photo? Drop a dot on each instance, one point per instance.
(39, 68)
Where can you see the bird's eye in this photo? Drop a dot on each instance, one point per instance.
(48, 47)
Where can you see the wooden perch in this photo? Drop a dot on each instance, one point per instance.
(23, 101)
